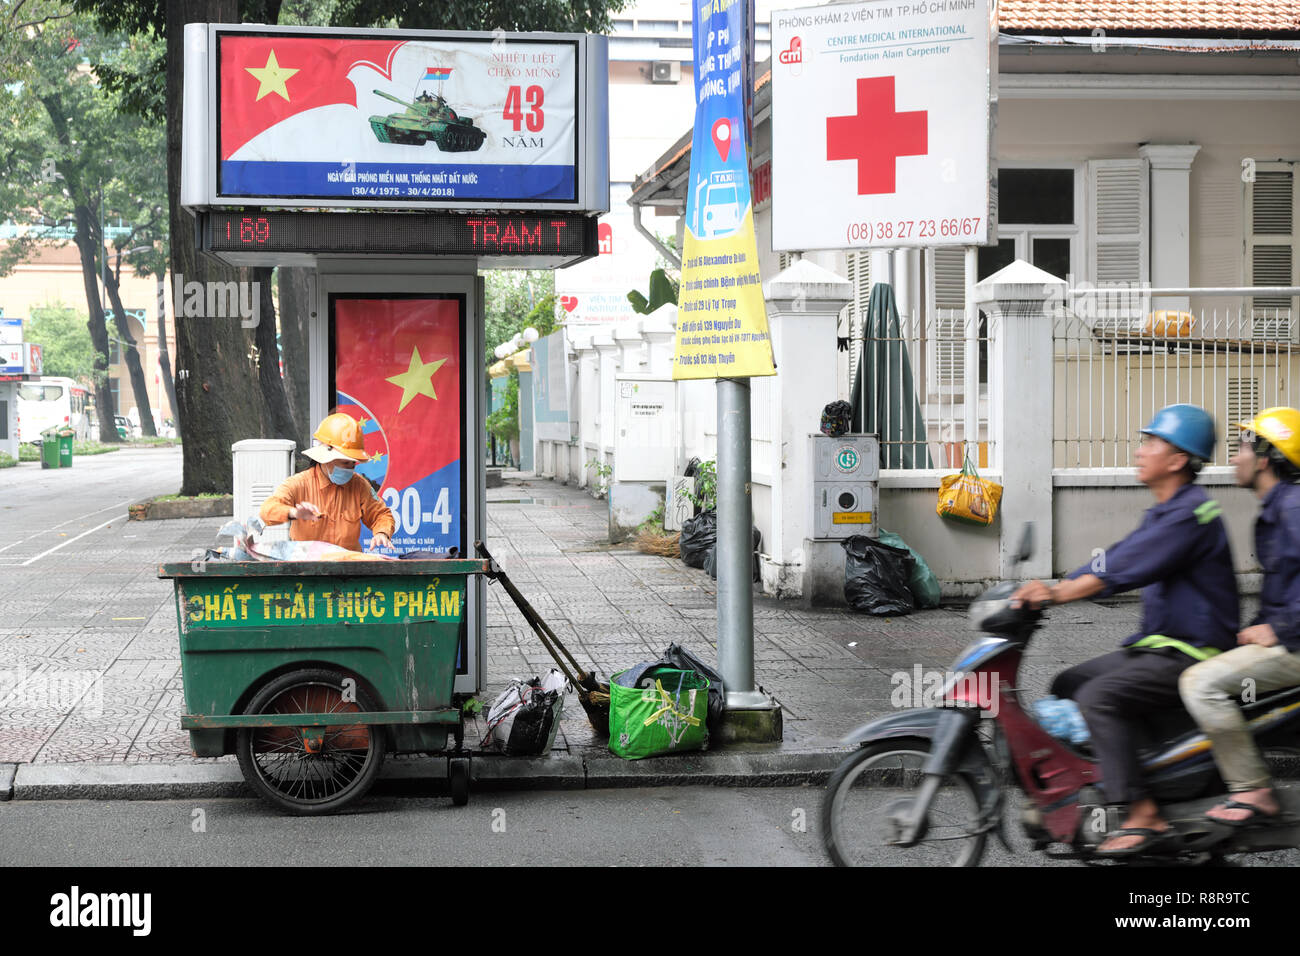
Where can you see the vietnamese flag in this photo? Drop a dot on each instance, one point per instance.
(266, 79)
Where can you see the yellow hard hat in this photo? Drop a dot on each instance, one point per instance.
(1280, 427)
(342, 433)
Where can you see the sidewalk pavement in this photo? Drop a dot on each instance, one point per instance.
(95, 617)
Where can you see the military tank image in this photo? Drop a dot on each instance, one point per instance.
(428, 117)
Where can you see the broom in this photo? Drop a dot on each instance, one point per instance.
(593, 694)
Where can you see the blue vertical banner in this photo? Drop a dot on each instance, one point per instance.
(722, 318)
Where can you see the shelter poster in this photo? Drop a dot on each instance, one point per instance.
(320, 116)
(397, 370)
(722, 318)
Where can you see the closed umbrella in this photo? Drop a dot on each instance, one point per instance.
(884, 396)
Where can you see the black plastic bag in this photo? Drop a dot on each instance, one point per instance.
(837, 418)
(698, 537)
(682, 659)
(711, 559)
(876, 577)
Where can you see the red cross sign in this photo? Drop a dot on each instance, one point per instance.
(877, 135)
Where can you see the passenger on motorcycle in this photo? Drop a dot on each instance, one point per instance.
(1268, 657)
(1180, 555)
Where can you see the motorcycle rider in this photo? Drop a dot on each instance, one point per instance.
(1268, 655)
(1180, 556)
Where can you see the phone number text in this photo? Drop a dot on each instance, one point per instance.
(912, 229)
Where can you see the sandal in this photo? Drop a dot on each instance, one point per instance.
(1257, 818)
(1152, 839)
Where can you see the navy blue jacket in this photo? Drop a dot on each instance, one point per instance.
(1180, 556)
(1277, 544)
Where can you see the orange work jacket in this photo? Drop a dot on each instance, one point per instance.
(343, 508)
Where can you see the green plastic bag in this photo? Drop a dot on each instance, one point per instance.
(923, 583)
(666, 715)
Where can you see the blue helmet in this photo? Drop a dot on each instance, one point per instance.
(1188, 428)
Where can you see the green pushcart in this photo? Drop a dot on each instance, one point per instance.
(310, 672)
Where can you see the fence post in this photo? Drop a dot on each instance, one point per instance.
(1020, 302)
(804, 304)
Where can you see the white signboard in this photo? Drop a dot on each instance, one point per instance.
(11, 331)
(644, 412)
(596, 290)
(881, 124)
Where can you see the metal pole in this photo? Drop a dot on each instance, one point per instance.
(735, 547)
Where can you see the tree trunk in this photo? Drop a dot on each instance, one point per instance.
(164, 357)
(279, 419)
(98, 327)
(217, 397)
(296, 306)
(139, 386)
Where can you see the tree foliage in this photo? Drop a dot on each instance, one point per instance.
(516, 299)
(65, 343)
(72, 162)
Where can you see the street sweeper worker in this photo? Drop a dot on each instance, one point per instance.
(330, 501)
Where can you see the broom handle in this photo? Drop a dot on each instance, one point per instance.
(539, 626)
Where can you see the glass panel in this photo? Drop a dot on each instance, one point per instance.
(1036, 196)
(993, 258)
(1052, 255)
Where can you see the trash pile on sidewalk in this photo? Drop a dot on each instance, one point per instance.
(654, 708)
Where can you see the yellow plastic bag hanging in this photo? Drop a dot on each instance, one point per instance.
(967, 497)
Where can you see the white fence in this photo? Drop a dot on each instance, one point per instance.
(1117, 361)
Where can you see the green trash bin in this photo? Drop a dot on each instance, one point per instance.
(50, 448)
(66, 435)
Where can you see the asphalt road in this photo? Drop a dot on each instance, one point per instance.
(44, 511)
(669, 826)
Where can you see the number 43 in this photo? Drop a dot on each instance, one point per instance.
(514, 108)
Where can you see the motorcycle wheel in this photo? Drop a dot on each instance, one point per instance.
(867, 792)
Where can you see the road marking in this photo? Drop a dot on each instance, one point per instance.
(64, 544)
(69, 521)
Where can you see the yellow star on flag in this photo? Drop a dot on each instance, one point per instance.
(271, 78)
(418, 379)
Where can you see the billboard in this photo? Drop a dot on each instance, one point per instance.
(382, 118)
(882, 117)
(596, 291)
(396, 369)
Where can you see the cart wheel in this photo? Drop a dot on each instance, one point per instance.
(309, 771)
(458, 778)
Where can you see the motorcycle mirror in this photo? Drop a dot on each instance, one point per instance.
(1026, 549)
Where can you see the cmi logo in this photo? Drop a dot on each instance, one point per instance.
(848, 459)
(793, 54)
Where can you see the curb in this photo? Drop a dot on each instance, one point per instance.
(420, 775)
(411, 776)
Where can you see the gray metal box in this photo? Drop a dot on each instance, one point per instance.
(845, 496)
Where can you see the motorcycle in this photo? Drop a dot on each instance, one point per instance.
(927, 786)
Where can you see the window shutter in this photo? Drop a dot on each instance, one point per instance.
(1118, 253)
(950, 316)
(1243, 403)
(1271, 248)
(858, 268)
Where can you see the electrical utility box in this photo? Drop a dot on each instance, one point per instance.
(260, 465)
(846, 472)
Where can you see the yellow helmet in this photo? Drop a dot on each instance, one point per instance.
(1280, 427)
(342, 433)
